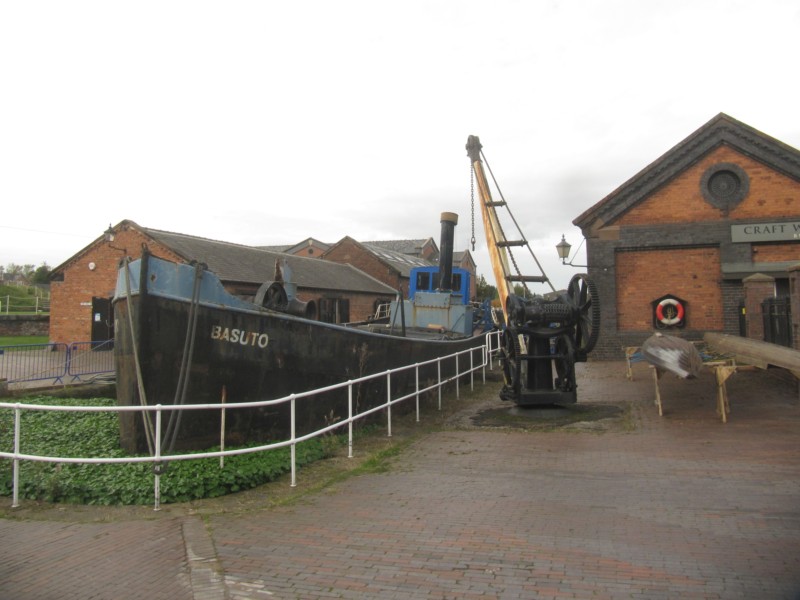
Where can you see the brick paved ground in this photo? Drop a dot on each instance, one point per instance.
(646, 507)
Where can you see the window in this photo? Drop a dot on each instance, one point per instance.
(334, 310)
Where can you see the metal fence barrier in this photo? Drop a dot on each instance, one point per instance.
(466, 362)
(56, 363)
(89, 358)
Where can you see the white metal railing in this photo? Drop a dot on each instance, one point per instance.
(486, 351)
(14, 304)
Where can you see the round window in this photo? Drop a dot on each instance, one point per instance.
(725, 185)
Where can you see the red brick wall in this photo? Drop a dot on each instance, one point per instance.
(362, 306)
(771, 195)
(71, 299)
(350, 252)
(691, 274)
(776, 252)
(309, 251)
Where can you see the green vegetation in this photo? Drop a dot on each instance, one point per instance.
(23, 299)
(22, 340)
(27, 273)
(84, 434)
(484, 290)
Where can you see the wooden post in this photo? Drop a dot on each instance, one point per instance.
(629, 352)
(656, 376)
(722, 373)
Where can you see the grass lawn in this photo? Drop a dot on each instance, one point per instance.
(18, 340)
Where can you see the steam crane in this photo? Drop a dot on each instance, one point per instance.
(542, 338)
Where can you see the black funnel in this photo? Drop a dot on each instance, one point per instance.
(449, 221)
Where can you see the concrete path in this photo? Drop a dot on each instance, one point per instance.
(639, 506)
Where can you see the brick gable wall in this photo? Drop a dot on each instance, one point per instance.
(71, 298)
(771, 195)
(675, 242)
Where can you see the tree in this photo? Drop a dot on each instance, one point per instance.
(485, 291)
(26, 273)
(41, 274)
(13, 270)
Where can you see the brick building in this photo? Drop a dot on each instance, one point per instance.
(310, 248)
(391, 261)
(680, 245)
(83, 286)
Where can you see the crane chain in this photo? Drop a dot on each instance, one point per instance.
(472, 201)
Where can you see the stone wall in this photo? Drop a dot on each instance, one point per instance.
(29, 325)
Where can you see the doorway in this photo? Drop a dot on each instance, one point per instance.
(102, 320)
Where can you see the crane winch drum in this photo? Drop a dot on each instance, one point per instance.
(542, 338)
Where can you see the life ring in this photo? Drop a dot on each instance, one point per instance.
(679, 312)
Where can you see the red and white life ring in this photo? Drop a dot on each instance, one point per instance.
(679, 312)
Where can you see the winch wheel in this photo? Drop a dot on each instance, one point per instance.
(510, 360)
(272, 296)
(582, 297)
(565, 363)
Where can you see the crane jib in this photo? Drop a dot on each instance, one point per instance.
(542, 338)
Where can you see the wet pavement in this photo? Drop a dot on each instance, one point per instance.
(492, 502)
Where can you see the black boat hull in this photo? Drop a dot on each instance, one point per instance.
(254, 355)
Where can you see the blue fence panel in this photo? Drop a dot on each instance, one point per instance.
(53, 363)
(34, 362)
(90, 358)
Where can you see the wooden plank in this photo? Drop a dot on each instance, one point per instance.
(755, 352)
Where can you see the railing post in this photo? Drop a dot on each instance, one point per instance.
(458, 377)
(157, 460)
(471, 371)
(416, 386)
(293, 426)
(389, 402)
(223, 399)
(439, 379)
(15, 496)
(350, 418)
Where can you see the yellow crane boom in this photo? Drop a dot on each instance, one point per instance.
(498, 255)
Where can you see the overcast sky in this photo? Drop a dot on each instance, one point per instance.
(266, 123)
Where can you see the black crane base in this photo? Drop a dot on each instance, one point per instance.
(538, 397)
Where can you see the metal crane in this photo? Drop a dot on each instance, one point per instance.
(542, 339)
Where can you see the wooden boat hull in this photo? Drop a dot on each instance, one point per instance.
(251, 353)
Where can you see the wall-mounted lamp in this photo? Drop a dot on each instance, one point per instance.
(563, 247)
(108, 236)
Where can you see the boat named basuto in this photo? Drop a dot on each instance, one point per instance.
(181, 338)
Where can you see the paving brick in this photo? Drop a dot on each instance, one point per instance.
(674, 506)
